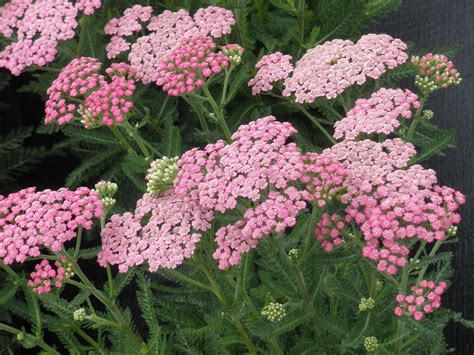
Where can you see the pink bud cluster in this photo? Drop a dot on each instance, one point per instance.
(125, 26)
(39, 26)
(30, 220)
(185, 68)
(424, 299)
(435, 71)
(46, 276)
(163, 231)
(330, 68)
(77, 79)
(166, 32)
(110, 103)
(379, 114)
(272, 68)
(328, 231)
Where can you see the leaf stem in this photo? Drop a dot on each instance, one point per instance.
(416, 119)
(219, 113)
(315, 121)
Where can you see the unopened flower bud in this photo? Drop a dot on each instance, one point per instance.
(371, 344)
(293, 254)
(274, 312)
(20, 336)
(428, 114)
(366, 304)
(434, 72)
(452, 231)
(106, 188)
(79, 315)
(233, 52)
(161, 174)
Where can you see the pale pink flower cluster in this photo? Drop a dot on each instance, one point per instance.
(46, 276)
(77, 79)
(276, 213)
(424, 299)
(330, 68)
(110, 103)
(379, 114)
(163, 231)
(391, 203)
(184, 70)
(257, 158)
(124, 26)
(167, 31)
(38, 27)
(328, 231)
(30, 220)
(272, 68)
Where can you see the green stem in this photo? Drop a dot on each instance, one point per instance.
(30, 338)
(219, 114)
(109, 270)
(366, 324)
(201, 119)
(137, 138)
(309, 234)
(123, 142)
(432, 253)
(226, 83)
(9, 270)
(314, 120)
(246, 339)
(78, 243)
(416, 119)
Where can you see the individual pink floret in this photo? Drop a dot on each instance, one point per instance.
(214, 21)
(31, 220)
(380, 114)
(424, 299)
(183, 70)
(328, 231)
(272, 68)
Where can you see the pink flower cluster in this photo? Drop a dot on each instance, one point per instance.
(185, 68)
(30, 220)
(125, 26)
(163, 231)
(271, 69)
(425, 298)
(46, 276)
(328, 231)
(435, 71)
(377, 115)
(167, 31)
(39, 26)
(328, 69)
(110, 103)
(105, 102)
(391, 203)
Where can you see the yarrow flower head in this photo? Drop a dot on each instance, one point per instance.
(163, 231)
(106, 191)
(274, 312)
(214, 21)
(46, 276)
(80, 315)
(39, 26)
(294, 255)
(366, 304)
(161, 174)
(434, 72)
(233, 52)
(271, 69)
(30, 220)
(424, 299)
(184, 69)
(330, 68)
(371, 344)
(379, 114)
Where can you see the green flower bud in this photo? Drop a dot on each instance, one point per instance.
(366, 304)
(274, 312)
(20, 336)
(161, 174)
(371, 344)
(293, 254)
(79, 315)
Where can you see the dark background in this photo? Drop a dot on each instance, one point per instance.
(425, 23)
(428, 23)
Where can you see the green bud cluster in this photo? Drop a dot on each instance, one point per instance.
(274, 312)
(452, 231)
(366, 304)
(161, 174)
(293, 254)
(106, 191)
(79, 315)
(371, 344)
(233, 52)
(428, 114)
(20, 336)
(434, 72)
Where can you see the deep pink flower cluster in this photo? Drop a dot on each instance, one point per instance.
(110, 103)
(424, 299)
(30, 220)
(124, 26)
(379, 114)
(328, 69)
(46, 276)
(328, 231)
(391, 203)
(163, 232)
(258, 158)
(39, 26)
(77, 79)
(167, 31)
(276, 213)
(435, 71)
(184, 70)
(272, 68)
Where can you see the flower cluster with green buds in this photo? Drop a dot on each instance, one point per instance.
(428, 114)
(294, 255)
(366, 304)
(371, 344)
(106, 191)
(452, 231)
(161, 174)
(274, 312)
(80, 315)
(233, 52)
(434, 72)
